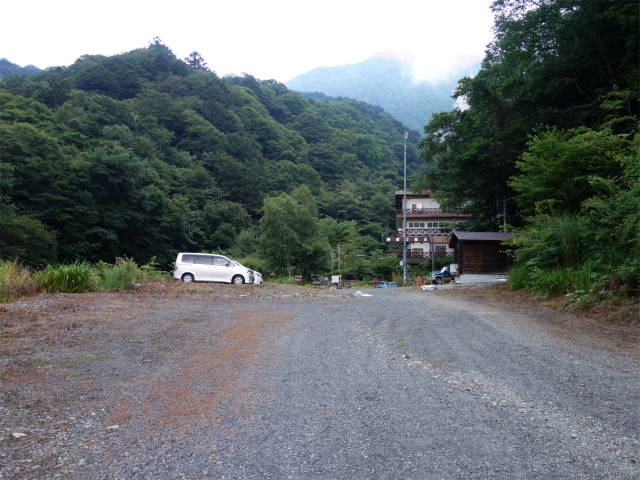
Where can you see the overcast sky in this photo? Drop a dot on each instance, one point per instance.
(268, 39)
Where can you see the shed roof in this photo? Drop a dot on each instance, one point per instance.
(479, 237)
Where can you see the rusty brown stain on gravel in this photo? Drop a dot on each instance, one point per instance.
(210, 384)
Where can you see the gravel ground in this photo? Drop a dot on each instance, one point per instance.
(263, 381)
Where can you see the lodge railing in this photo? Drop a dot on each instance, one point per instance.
(423, 255)
(425, 232)
(421, 210)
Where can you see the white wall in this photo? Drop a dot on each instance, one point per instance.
(425, 202)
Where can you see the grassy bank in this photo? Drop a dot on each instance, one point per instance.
(17, 281)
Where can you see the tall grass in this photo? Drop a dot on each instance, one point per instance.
(15, 281)
(580, 281)
(547, 282)
(583, 279)
(281, 280)
(551, 282)
(567, 236)
(77, 277)
(73, 277)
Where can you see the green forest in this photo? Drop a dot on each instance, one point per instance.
(142, 155)
(549, 146)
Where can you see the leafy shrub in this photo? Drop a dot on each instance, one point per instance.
(151, 272)
(520, 277)
(443, 262)
(550, 241)
(121, 276)
(253, 263)
(420, 270)
(358, 271)
(625, 279)
(385, 267)
(630, 274)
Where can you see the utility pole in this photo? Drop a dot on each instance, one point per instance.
(504, 214)
(404, 216)
(433, 253)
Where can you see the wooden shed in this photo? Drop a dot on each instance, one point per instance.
(480, 252)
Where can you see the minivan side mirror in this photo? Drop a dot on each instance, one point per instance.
(228, 263)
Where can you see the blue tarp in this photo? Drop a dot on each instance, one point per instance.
(387, 286)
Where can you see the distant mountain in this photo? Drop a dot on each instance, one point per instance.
(382, 81)
(7, 68)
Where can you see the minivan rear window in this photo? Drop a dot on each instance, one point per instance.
(203, 259)
(187, 258)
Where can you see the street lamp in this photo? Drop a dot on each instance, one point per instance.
(404, 216)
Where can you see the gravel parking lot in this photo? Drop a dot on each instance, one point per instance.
(264, 381)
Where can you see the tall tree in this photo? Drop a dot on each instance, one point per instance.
(289, 240)
(56, 89)
(553, 62)
(22, 237)
(558, 168)
(196, 62)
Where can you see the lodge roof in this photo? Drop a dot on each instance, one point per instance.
(423, 193)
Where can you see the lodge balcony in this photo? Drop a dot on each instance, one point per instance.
(424, 232)
(422, 211)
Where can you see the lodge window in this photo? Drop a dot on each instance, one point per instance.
(427, 224)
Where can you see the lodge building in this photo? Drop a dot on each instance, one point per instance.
(428, 226)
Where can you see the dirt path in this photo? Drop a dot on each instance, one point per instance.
(214, 381)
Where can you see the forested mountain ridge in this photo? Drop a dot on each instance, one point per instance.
(385, 81)
(143, 155)
(8, 68)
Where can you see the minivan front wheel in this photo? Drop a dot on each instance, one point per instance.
(187, 278)
(238, 280)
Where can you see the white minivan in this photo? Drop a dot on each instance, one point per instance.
(209, 267)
